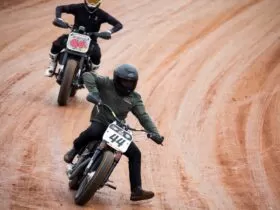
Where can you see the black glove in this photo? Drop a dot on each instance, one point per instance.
(94, 98)
(105, 35)
(155, 137)
(59, 22)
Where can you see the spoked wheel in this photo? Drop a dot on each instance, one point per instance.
(94, 179)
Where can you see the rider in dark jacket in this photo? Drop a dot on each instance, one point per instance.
(119, 94)
(89, 15)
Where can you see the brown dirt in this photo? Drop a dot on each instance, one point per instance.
(209, 74)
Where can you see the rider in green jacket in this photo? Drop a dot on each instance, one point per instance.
(119, 94)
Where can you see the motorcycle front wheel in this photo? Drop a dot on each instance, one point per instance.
(65, 87)
(93, 180)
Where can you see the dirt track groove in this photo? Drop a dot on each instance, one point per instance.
(209, 74)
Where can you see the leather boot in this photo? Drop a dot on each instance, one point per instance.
(139, 194)
(69, 156)
(50, 70)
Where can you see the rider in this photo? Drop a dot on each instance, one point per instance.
(119, 94)
(89, 15)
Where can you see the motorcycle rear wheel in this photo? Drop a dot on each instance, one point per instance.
(89, 186)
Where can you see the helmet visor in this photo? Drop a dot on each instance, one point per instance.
(128, 84)
(93, 3)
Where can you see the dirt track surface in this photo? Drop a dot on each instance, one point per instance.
(209, 74)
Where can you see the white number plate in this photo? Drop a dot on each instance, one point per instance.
(117, 138)
(78, 42)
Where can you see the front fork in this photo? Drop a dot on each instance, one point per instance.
(96, 154)
(117, 158)
(62, 64)
(59, 74)
(80, 72)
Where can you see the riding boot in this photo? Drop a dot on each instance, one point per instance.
(70, 155)
(139, 194)
(50, 70)
(94, 67)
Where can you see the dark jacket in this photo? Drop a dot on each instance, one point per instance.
(91, 21)
(104, 86)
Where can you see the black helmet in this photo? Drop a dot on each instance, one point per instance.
(125, 79)
(92, 5)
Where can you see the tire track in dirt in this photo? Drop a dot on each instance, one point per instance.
(210, 26)
(21, 4)
(270, 146)
(162, 81)
(169, 62)
(172, 59)
(26, 183)
(256, 116)
(221, 88)
(257, 166)
(191, 197)
(236, 175)
(243, 163)
(10, 82)
(8, 3)
(184, 80)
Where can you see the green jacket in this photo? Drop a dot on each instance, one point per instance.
(104, 86)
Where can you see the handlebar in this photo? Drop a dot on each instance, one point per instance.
(152, 135)
(62, 24)
(97, 101)
(93, 99)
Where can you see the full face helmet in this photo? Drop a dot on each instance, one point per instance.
(92, 5)
(125, 79)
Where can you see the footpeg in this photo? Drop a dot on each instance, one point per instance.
(111, 186)
(69, 169)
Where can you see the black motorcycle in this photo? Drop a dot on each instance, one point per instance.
(96, 162)
(74, 60)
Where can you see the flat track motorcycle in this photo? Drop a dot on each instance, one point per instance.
(95, 164)
(74, 60)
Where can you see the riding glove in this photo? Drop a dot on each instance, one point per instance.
(156, 138)
(94, 98)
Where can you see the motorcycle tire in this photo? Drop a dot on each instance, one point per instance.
(73, 92)
(65, 87)
(87, 187)
(74, 183)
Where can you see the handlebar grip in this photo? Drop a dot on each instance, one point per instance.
(93, 34)
(60, 23)
(93, 99)
(152, 135)
(104, 35)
